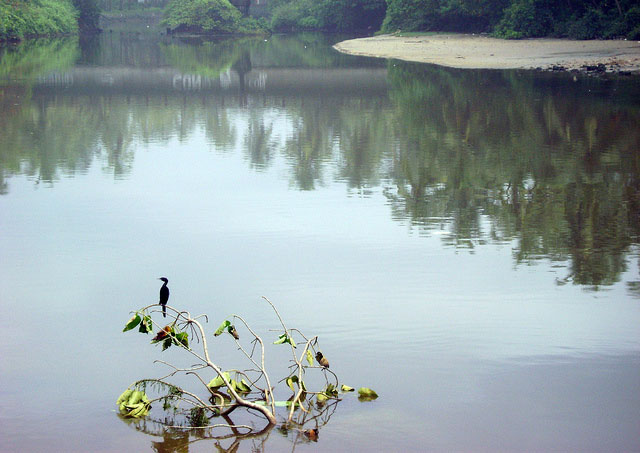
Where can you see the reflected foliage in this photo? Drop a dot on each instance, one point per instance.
(537, 161)
(34, 58)
(208, 58)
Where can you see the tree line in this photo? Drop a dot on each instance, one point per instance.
(518, 18)
(514, 19)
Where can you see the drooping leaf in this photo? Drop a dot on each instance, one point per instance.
(183, 339)
(134, 321)
(146, 325)
(284, 338)
(223, 326)
(321, 398)
(346, 388)
(161, 335)
(366, 394)
(166, 344)
(281, 339)
(309, 358)
(218, 381)
(290, 381)
(243, 386)
(331, 390)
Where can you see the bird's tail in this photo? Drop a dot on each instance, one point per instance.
(164, 311)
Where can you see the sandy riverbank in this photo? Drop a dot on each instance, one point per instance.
(475, 51)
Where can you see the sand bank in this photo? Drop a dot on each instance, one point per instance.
(476, 51)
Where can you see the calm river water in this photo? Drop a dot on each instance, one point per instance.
(463, 242)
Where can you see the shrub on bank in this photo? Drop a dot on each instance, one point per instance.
(208, 16)
(20, 19)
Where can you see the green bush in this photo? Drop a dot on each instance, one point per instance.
(203, 16)
(19, 19)
(632, 22)
(410, 15)
(525, 19)
(293, 16)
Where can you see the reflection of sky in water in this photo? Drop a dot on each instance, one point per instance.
(88, 250)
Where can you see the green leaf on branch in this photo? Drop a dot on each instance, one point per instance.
(146, 325)
(242, 386)
(321, 398)
(166, 344)
(290, 381)
(346, 388)
(366, 394)
(331, 390)
(218, 381)
(309, 358)
(222, 327)
(182, 338)
(284, 338)
(134, 321)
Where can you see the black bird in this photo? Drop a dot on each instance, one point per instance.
(164, 296)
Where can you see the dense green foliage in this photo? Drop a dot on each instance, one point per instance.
(207, 16)
(451, 15)
(575, 19)
(329, 15)
(20, 18)
(518, 18)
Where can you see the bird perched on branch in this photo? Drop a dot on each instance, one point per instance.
(322, 360)
(164, 295)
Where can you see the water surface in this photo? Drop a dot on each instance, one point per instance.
(464, 242)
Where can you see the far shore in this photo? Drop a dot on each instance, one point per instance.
(483, 52)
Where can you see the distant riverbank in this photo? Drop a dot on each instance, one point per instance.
(483, 52)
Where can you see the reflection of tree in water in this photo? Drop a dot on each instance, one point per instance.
(362, 137)
(258, 143)
(517, 158)
(178, 440)
(561, 178)
(310, 146)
